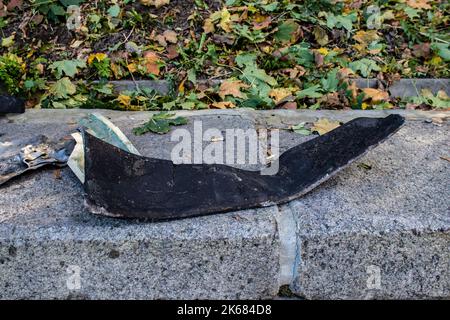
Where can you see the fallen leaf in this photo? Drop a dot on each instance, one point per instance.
(320, 35)
(301, 129)
(172, 52)
(62, 88)
(365, 37)
(422, 50)
(279, 94)
(155, 3)
(419, 4)
(96, 56)
(14, 4)
(132, 67)
(223, 105)
(291, 105)
(324, 125)
(151, 62)
(232, 88)
(260, 25)
(224, 18)
(76, 43)
(288, 31)
(208, 26)
(375, 94)
(57, 174)
(124, 100)
(170, 36)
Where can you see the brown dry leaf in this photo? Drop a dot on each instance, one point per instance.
(421, 50)
(223, 105)
(324, 125)
(376, 95)
(151, 60)
(170, 36)
(292, 105)
(294, 73)
(156, 3)
(441, 94)
(172, 52)
(161, 40)
(232, 88)
(279, 94)
(419, 4)
(57, 174)
(345, 73)
(208, 26)
(262, 23)
(14, 4)
(366, 37)
(37, 19)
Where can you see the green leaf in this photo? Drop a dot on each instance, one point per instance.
(251, 72)
(311, 92)
(160, 123)
(245, 59)
(412, 13)
(442, 49)
(364, 66)
(330, 83)
(341, 21)
(57, 10)
(286, 30)
(320, 35)
(62, 88)
(70, 2)
(300, 129)
(114, 11)
(68, 67)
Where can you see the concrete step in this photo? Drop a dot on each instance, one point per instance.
(378, 233)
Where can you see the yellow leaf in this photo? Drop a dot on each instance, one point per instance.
(279, 94)
(8, 42)
(124, 100)
(223, 105)
(155, 3)
(324, 125)
(441, 94)
(323, 51)
(181, 86)
(132, 67)
(96, 56)
(376, 95)
(208, 26)
(232, 88)
(419, 4)
(225, 20)
(366, 37)
(436, 61)
(151, 62)
(170, 36)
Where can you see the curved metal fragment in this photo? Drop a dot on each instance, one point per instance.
(122, 184)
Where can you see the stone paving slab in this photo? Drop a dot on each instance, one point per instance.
(399, 89)
(392, 220)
